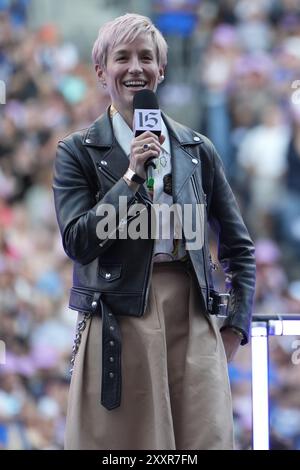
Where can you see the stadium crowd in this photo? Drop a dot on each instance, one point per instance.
(248, 76)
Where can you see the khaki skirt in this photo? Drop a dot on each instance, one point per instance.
(175, 387)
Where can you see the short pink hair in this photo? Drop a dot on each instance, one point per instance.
(127, 28)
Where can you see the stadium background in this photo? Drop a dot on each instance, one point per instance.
(232, 74)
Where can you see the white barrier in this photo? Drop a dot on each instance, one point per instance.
(264, 326)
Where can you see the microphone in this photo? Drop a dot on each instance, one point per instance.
(147, 117)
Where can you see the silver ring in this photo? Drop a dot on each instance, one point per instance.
(146, 147)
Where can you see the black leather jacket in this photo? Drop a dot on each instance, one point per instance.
(114, 274)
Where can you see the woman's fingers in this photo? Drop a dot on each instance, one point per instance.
(143, 147)
(145, 135)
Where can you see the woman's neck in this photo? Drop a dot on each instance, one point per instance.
(127, 116)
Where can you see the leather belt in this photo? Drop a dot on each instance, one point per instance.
(111, 381)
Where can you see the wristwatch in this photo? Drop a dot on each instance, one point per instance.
(132, 176)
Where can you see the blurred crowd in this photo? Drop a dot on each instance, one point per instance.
(247, 73)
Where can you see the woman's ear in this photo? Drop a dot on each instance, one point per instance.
(100, 75)
(161, 75)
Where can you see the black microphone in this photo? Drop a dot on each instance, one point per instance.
(147, 117)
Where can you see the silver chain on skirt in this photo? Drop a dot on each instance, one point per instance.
(80, 328)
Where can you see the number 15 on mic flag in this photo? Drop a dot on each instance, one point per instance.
(147, 120)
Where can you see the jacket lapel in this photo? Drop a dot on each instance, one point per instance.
(111, 156)
(184, 163)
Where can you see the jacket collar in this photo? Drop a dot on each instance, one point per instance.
(100, 134)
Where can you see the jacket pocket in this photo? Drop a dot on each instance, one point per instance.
(110, 272)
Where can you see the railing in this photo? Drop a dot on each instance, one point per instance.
(263, 326)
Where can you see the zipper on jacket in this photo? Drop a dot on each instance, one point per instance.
(147, 202)
(147, 284)
(108, 174)
(204, 245)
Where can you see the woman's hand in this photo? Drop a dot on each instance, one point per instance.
(231, 341)
(139, 156)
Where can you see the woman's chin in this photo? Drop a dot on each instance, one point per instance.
(136, 89)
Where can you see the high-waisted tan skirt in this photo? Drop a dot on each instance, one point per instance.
(175, 388)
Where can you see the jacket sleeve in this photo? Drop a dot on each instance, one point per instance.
(235, 250)
(77, 211)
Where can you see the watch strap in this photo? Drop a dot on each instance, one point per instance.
(132, 176)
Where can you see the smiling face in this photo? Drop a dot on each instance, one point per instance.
(130, 67)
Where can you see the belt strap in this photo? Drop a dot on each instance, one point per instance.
(111, 359)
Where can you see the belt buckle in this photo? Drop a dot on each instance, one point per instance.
(223, 305)
(218, 304)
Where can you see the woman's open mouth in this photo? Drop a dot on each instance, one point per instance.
(135, 83)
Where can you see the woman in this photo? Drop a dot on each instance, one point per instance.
(156, 376)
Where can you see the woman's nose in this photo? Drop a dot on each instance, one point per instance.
(135, 66)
